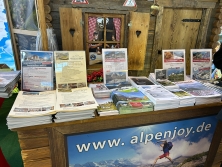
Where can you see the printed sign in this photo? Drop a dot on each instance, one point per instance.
(160, 145)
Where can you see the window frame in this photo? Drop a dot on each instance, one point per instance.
(86, 36)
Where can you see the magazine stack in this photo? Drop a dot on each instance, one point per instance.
(202, 93)
(75, 104)
(185, 99)
(161, 97)
(106, 107)
(100, 90)
(32, 108)
(8, 80)
(131, 100)
(163, 82)
(139, 81)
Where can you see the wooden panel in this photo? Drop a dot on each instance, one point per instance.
(201, 39)
(33, 154)
(137, 42)
(57, 147)
(186, 3)
(156, 47)
(32, 134)
(38, 163)
(178, 34)
(71, 18)
(214, 145)
(34, 143)
(41, 19)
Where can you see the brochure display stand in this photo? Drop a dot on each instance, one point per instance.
(54, 142)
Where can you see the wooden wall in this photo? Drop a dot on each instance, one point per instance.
(114, 6)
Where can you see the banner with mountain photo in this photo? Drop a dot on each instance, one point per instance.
(179, 143)
(6, 52)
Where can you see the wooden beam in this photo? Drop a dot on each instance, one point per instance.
(42, 24)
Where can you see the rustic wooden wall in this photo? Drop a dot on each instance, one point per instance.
(114, 6)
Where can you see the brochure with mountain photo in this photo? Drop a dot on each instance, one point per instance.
(131, 100)
(37, 70)
(115, 66)
(201, 61)
(70, 69)
(174, 63)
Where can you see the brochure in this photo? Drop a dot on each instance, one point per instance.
(70, 69)
(174, 63)
(37, 70)
(75, 100)
(34, 104)
(115, 65)
(201, 61)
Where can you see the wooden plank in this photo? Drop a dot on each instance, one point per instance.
(24, 32)
(201, 39)
(155, 56)
(35, 154)
(137, 42)
(57, 145)
(32, 143)
(71, 18)
(214, 145)
(32, 133)
(186, 4)
(39, 163)
(42, 24)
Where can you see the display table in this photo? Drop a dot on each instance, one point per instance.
(45, 145)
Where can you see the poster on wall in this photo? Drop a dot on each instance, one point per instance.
(6, 53)
(179, 143)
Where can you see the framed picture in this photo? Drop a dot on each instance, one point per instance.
(174, 63)
(115, 65)
(102, 31)
(201, 62)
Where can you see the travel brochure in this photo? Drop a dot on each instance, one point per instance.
(163, 89)
(201, 62)
(174, 62)
(70, 69)
(37, 70)
(115, 65)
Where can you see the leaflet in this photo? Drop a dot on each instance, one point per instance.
(76, 100)
(70, 69)
(115, 65)
(174, 63)
(37, 70)
(201, 61)
(33, 104)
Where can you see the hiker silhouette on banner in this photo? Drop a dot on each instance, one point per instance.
(166, 146)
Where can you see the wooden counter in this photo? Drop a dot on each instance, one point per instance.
(44, 145)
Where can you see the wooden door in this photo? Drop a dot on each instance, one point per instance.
(71, 28)
(138, 37)
(180, 29)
